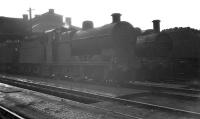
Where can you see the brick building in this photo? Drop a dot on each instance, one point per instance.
(47, 21)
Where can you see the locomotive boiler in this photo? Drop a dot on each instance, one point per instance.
(111, 44)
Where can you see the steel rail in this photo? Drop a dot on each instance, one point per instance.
(163, 88)
(10, 113)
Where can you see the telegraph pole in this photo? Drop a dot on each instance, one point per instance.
(30, 15)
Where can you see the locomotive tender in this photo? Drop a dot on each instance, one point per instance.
(171, 55)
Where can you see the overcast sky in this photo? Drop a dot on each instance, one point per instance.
(140, 13)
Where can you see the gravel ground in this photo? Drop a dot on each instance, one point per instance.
(141, 112)
(62, 108)
(49, 105)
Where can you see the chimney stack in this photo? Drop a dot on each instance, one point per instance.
(87, 25)
(25, 17)
(68, 21)
(156, 25)
(51, 11)
(116, 17)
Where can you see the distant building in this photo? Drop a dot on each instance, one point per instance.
(47, 21)
(13, 28)
(40, 23)
(13, 25)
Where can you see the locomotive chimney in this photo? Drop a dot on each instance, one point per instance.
(116, 17)
(68, 21)
(25, 17)
(156, 25)
(87, 25)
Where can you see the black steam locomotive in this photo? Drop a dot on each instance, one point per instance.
(104, 54)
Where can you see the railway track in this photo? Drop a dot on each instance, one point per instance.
(8, 114)
(156, 88)
(87, 98)
(66, 94)
(172, 92)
